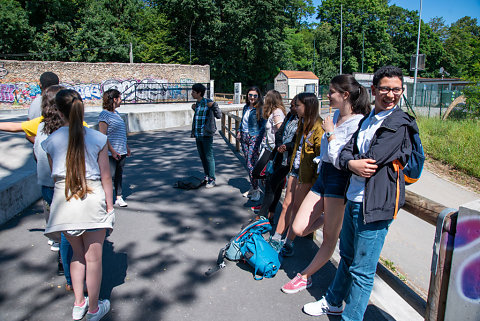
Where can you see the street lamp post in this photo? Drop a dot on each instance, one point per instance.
(416, 57)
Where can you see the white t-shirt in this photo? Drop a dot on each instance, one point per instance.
(329, 151)
(35, 109)
(56, 145)
(370, 125)
(44, 175)
(245, 120)
(275, 118)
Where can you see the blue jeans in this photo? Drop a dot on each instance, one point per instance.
(360, 247)
(205, 150)
(66, 253)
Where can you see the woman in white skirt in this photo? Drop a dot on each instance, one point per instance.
(82, 205)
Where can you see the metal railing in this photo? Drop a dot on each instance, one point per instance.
(443, 218)
(156, 92)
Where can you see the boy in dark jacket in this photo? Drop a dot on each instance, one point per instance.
(203, 129)
(375, 193)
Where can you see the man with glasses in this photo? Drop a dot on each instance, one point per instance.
(375, 193)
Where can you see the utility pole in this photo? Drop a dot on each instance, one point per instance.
(314, 55)
(416, 58)
(363, 46)
(131, 53)
(341, 36)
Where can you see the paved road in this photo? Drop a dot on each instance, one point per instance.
(163, 242)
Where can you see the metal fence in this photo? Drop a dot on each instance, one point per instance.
(154, 92)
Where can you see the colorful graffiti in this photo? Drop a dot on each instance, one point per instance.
(133, 90)
(466, 237)
(19, 93)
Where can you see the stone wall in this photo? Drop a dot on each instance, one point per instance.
(19, 80)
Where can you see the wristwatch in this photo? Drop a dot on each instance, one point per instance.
(328, 134)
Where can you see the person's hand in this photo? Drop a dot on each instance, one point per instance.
(282, 149)
(238, 135)
(363, 167)
(194, 106)
(116, 155)
(129, 152)
(327, 124)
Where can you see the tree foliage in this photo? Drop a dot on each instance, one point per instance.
(242, 41)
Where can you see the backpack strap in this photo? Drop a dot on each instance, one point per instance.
(397, 165)
(220, 263)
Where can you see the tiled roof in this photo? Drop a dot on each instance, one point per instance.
(293, 74)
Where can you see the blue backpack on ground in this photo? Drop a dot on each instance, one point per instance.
(249, 245)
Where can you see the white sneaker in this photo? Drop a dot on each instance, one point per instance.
(120, 202)
(256, 195)
(248, 193)
(50, 242)
(79, 311)
(103, 308)
(55, 247)
(321, 307)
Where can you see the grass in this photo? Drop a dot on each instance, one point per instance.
(454, 142)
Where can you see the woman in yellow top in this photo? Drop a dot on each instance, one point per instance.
(303, 168)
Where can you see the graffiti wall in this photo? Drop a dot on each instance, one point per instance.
(19, 80)
(464, 287)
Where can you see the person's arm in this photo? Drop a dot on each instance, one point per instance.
(103, 127)
(12, 127)
(105, 177)
(216, 110)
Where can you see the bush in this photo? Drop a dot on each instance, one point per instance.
(455, 142)
(472, 96)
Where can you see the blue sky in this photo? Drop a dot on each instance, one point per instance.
(450, 10)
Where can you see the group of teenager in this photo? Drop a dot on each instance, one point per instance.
(338, 172)
(339, 175)
(76, 166)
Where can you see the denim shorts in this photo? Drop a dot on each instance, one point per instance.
(331, 182)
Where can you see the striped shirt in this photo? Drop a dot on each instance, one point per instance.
(116, 130)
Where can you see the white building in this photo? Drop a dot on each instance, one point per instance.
(290, 83)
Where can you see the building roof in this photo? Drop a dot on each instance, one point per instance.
(293, 74)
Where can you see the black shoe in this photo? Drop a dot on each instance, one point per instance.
(60, 270)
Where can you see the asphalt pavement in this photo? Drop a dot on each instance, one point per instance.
(162, 244)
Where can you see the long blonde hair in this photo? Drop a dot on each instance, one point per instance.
(70, 104)
(272, 101)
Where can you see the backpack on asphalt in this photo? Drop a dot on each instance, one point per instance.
(249, 245)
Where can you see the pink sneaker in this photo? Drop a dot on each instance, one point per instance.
(296, 284)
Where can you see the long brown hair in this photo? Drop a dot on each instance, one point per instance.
(311, 111)
(272, 101)
(52, 118)
(108, 98)
(258, 104)
(70, 104)
(358, 96)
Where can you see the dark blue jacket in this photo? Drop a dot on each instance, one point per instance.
(390, 142)
(255, 128)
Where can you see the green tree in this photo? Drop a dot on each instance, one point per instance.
(15, 31)
(463, 46)
(368, 17)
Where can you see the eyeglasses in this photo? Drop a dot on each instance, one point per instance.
(253, 95)
(385, 90)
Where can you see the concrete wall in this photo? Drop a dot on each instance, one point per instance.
(19, 79)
